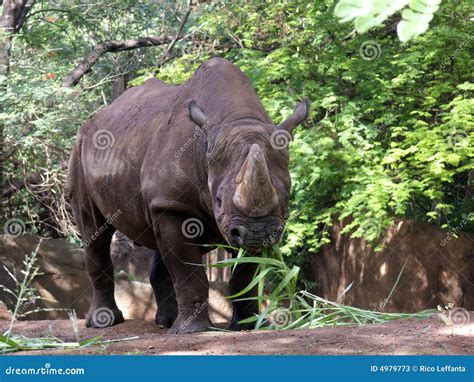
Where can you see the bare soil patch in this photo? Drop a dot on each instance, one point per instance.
(411, 336)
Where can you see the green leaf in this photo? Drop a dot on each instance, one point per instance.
(348, 10)
(364, 23)
(407, 30)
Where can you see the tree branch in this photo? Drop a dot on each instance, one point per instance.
(164, 58)
(74, 76)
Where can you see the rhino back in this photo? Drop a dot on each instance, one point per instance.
(150, 155)
(113, 145)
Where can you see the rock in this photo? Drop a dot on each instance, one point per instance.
(220, 308)
(135, 299)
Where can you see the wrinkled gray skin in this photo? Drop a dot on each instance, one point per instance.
(161, 155)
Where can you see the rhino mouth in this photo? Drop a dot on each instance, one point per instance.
(254, 234)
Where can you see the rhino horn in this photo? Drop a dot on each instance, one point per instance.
(255, 194)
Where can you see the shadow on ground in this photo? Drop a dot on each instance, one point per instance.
(411, 336)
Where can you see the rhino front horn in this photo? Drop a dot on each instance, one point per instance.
(255, 194)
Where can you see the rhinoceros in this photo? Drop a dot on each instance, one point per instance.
(175, 167)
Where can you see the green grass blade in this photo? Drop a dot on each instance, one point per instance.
(254, 282)
(9, 342)
(286, 280)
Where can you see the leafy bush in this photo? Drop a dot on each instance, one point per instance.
(391, 125)
(391, 128)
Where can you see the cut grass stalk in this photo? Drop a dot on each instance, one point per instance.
(16, 343)
(305, 309)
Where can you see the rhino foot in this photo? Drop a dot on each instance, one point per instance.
(234, 325)
(164, 319)
(103, 317)
(185, 327)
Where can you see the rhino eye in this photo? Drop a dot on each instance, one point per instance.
(218, 202)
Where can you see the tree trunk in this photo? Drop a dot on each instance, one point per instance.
(13, 17)
(118, 86)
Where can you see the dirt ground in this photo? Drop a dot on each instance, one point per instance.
(397, 337)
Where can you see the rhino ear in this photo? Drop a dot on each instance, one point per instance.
(300, 113)
(197, 115)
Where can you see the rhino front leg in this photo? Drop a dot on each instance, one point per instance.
(162, 284)
(183, 259)
(241, 277)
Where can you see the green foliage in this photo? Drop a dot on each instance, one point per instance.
(40, 118)
(390, 132)
(391, 125)
(270, 266)
(416, 14)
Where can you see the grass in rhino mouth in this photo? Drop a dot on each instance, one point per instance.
(286, 307)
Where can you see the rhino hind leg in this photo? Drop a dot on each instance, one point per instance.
(162, 284)
(97, 236)
(103, 311)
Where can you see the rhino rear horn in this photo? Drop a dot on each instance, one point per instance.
(300, 113)
(255, 194)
